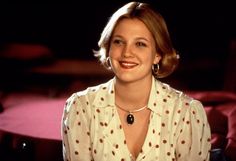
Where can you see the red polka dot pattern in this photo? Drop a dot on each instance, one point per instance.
(91, 129)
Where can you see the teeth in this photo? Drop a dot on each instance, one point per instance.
(128, 64)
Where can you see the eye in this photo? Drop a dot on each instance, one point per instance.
(141, 44)
(117, 41)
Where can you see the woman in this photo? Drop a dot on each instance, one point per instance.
(134, 116)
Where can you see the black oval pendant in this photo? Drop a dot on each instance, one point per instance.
(130, 119)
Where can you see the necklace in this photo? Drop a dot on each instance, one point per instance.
(130, 116)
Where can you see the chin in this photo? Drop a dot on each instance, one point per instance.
(128, 78)
(125, 78)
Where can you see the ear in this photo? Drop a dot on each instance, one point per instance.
(157, 58)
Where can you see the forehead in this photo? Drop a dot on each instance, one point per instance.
(132, 27)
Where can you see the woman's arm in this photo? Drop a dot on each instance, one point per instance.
(75, 130)
(194, 140)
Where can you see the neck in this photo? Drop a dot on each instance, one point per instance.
(132, 95)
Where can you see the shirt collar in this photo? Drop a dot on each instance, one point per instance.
(157, 93)
(105, 96)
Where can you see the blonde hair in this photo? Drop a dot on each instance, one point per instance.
(156, 25)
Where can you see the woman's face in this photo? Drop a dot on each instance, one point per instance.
(132, 51)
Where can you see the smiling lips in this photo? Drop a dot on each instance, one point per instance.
(127, 64)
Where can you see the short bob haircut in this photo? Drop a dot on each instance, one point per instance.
(156, 25)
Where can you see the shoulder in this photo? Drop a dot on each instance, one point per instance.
(89, 94)
(82, 100)
(178, 97)
(185, 107)
(93, 91)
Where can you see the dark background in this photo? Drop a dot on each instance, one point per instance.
(72, 30)
(202, 32)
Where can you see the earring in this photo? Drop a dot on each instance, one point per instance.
(108, 63)
(155, 68)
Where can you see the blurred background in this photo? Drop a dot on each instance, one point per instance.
(46, 52)
(202, 32)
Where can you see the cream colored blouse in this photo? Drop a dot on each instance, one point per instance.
(92, 130)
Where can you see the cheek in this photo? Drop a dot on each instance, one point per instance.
(150, 58)
(114, 52)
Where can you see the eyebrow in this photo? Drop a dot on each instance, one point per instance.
(137, 38)
(142, 38)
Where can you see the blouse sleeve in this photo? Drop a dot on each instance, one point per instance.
(75, 130)
(194, 140)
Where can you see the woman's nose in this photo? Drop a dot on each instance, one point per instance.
(127, 51)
